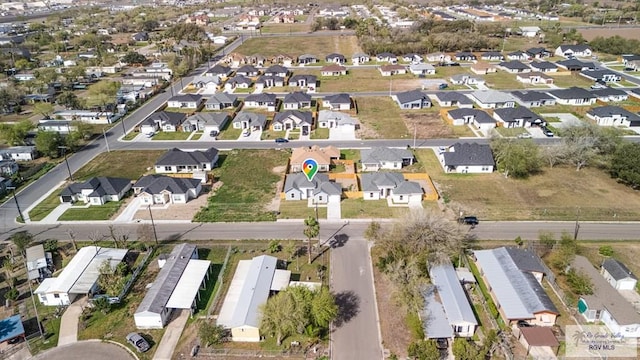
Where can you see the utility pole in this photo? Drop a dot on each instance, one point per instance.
(64, 153)
(415, 133)
(13, 189)
(153, 225)
(577, 228)
(106, 141)
(124, 129)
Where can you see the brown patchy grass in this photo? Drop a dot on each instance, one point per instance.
(365, 79)
(590, 34)
(319, 46)
(554, 194)
(565, 81)
(428, 124)
(111, 164)
(380, 118)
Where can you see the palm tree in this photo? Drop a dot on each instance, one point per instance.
(311, 230)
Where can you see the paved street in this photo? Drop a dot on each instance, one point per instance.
(94, 350)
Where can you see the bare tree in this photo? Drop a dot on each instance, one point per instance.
(95, 236)
(72, 237)
(119, 238)
(554, 154)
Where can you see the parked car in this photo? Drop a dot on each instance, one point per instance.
(469, 220)
(138, 342)
(443, 86)
(547, 132)
(442, 343)
(149, 135)
(246, 133)
(524, 135)
(282, 140)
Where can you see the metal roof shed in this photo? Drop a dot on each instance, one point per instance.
(89, 276)
(185, 292)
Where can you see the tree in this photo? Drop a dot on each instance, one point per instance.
(150, 25)
(9, 97)
(15, 134)
(579, 283)
(625, 164)
(72, 237)
(466, 350)
(12, 295)
(588, 143)
(211, 334)
(274, 246)
(22, 240)
(373, 231)
(424, 350)
(46, 75)
(119, 238)
(311, 231)
(102, 304)
(44, 108)
(103, 93)
(110, 280)
(69, 100)
(280, 317)
(516, 158)
(47, 143)
(323, 308)
(606, 250)
(8, 266)
(133, 57)
(51, 245)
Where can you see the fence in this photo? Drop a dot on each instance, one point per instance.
(132, 279)
(220, 281)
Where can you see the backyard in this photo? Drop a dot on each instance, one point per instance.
(249, 179)
(112, 164)
(561, 193)
(318, 46)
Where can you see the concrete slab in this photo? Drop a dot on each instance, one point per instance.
(53, 216)
(69, 322)
(340, 134)
(334, 211)
(171, 336)
(129, 212)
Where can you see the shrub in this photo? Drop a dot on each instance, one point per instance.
(606, 250)
(415, 325)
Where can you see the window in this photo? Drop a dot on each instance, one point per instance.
(167, 168)
(56, 296)
(320, 198)
(293, 195)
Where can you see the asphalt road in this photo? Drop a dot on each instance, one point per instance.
(94, 350)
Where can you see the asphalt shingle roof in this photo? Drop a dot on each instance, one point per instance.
(572, 93)
(468, 154)
(411, 96)
(377, 155)
(100, 186)
(176, 156)
(156, 184)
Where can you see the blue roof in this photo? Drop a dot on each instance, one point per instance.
(10, 328)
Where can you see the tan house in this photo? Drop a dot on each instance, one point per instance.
(483, 68)
(333, 70)
(322, 155)
(389, 70)
(200, 20)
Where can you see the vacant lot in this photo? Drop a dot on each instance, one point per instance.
(297, 45)
(428, 124)
(502, 80)
(555, 194)
(284, 28)
(565, 81)
(249, 179)
(124, 164)
(380, 118)
(364, 79)
(590, 34)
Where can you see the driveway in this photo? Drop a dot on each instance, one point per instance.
(566, 120)
(341, 134)
(171, 336)
(53, 216)
(536, 132)
(256, 135)
(334, 211)
(69, 322)
(129, 212)
(91, 349)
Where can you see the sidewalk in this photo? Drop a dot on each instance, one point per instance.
(171, 336)
(129, 212)
(69, 322)
(53, 216)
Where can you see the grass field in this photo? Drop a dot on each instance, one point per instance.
(555, 194)
(249, 180)
(320, 133)
(318, 46)
(46, 206)
(565, 81)
(93, 212)
(510, 132)
(299, 210)
(382, 116)
(113, 164)
(366, 79)
(502, 80)
(284, 28)
(171, 135)
(366, 209)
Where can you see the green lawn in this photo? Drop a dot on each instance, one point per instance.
(249, 184)
(368, 79)
(320, 133)
(350, 154)
(271, 134)
(46, 206)
(382, 116)
(130, 135)
(365, 209)
(171, 135)
(503, 80)
(93, 212)
(284, 28)
(216, 255)
(319, 46)
(298, 209)
(565, 81)
(510, 132)
(197, 135)
(112, 164)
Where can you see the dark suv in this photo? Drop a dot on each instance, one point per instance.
(469, 220)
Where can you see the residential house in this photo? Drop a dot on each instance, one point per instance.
(90, 117)
(206, 121)
(534, 78)
(218, 40)
(265, 101)
(537, 53)
(235, 60)
(392, 69)
(219, 71)
(573, 96)
(208, 83)
(387, 57)
(248, 71)
(307, 59)
(19, 153)
(238, 81)
(291, 120)
(514, 66)
(453, 299)
(8, 167)
(296, 100)
(453, 98)
(360, 58)
(613, 116)
(576, 65)
(38, 262)
(466, 79)
(529, 31)
(392, 186)
(468, 116)
(162, 189)
(517, 293)
(601, 75)
(337, 102)
(618, 275)
(200, 20)
(609, 94)
(335, 58)
(517, 117)
(412, 58)
(438, 57)
(492, 56)
(221, 101)
(186, 101)
(465, 56)
(378, 158)
(627, 59)
(543, 66)
(320, 189)
(195, 162)
(422, 69)
(163, 120)
(604, 304)
(276, 70)
(283, 60)
(633, 65)
(141, 36)
(333, 70)
(492, 99)
(466, 158)
(413, 99)
(322, 155)
(533, 98)
(79, 277)
(483, 68)
(269, 81)
(518, 55)
(305, 82)
(96, 191)
(336, 120)
(58, 126)
(249, 120)
(569, 51)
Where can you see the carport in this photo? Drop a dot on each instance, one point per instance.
(186, 293)
(10, 328)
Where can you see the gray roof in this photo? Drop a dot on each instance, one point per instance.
(468, 154)
(176, 156)
(160, 292)
(186, 97)
(478, 115)
(492, 96)
(174, 118)
(576, 64)
(452, 296)
(338, 98)
(408, 188)
(604, 296)
(608, 91)
(572, 93)
(298, 181)
(156, 184)
(543, 65)
(252, 118)
(598, 74)
(296, 115)
(219, 70)
(377, 155)
(335, 56)
(262, 79)
(617, 269)
(247, 69)
(255, 291)
(575, 48)
(205, 79)
(307, 56)
(531, 95)
(411, 96)
(307, 77)
(525, 260)
(609, 110)
(276, 69)
(517, 113)
(377, 180)
(296, 97)
(100, 185)
(513, 64)
(262, 97)
(453, 96)
(340, 117)
(239, 79)
(518, 293)
(210, 118)
(222, 98)
(434, 319)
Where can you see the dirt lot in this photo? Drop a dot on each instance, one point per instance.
(590, 34)
(429, 125)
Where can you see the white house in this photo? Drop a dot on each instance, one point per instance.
(91, 117)
(377, 158)
(567, 51)
(492, 99)
(618, 275)
(320, 190)
(196, 162)
(613, 116)
(391, 186)
(466, 158)
(161, 189)
(38, 262)
(79, 277)
(186, 101)
(96, 191)
(529, 31)
(573, 96)
(19, 153)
